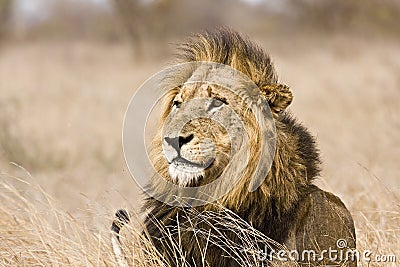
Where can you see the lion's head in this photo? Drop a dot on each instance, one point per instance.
(201, 151)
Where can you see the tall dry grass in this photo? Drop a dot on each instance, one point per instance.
(34, 232)
(61, 111)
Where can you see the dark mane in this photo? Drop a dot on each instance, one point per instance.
(306, 145)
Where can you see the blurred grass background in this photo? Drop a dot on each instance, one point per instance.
(68, 69)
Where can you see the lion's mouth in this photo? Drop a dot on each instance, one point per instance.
(185, 172)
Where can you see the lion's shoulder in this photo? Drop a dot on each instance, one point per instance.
(323, 220)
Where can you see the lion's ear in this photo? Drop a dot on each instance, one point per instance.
(279, 96)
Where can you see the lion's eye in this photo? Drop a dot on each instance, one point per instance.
(217, 102)
(177, 104)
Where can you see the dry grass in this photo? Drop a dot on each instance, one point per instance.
(61, 111)
(35, 233)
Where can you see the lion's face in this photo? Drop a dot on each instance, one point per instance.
(201, 151)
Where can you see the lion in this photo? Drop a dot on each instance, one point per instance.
(287, 207)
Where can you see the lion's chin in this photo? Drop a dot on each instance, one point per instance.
(185, 176)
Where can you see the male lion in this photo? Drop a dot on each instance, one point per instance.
(286, 207)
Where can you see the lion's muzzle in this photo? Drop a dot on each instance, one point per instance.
(188, 157)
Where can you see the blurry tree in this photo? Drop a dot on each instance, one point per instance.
(159, 21)
(5, 16)
(145, 22)
(130, 13)
(347, 15)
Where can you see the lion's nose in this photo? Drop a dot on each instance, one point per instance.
(173, 142)
(178, 142)
(184, 140)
